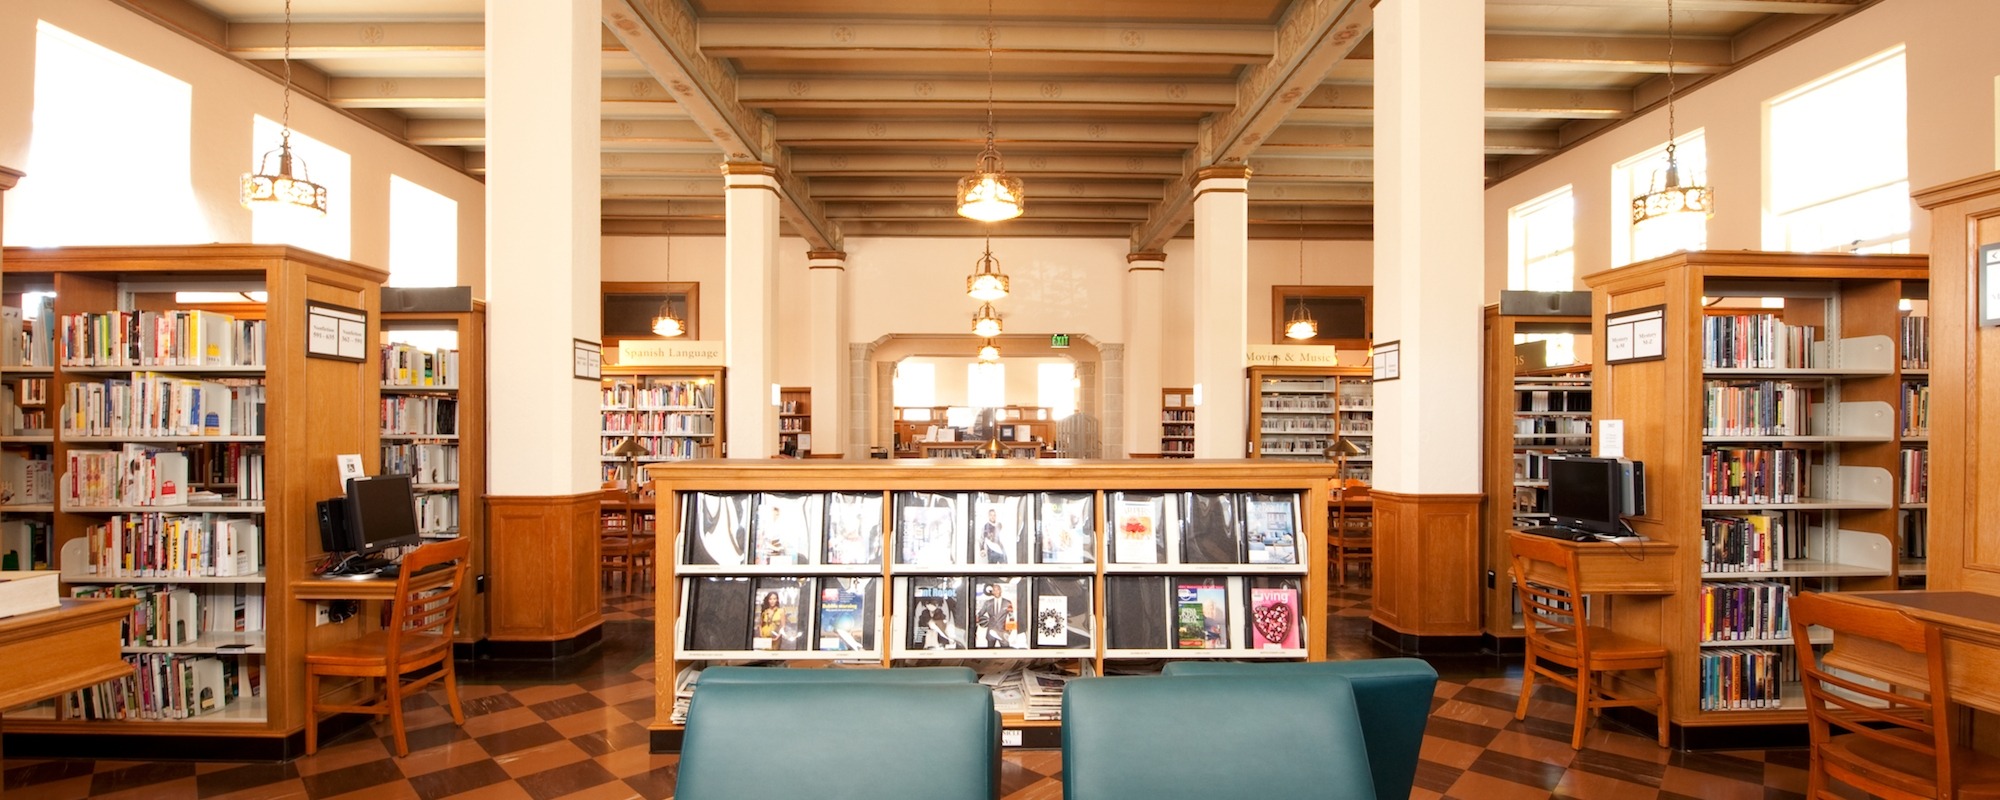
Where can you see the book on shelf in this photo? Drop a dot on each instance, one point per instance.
(999, 520)
(1757, 542)
(1210, 532)
(157, 404)
(1756, 341)
(1752, 475)
(787, 527)
(235, 464)
(405, 365)
(1738, 679)
(930, 528)
(26, 544)
(1063, 527)
(1201, 615)
(437, 514)
(998, 606)
(1271, 528)
(1745, 610)
(782, 613)
(854, 528)
(28, 591)
(937, 613)
(24, 336)
(1914, 484)
(1913, 525)
(26, 479)
(166, 686)
(659, 394)
(1274, 617)
(1914, 408)
(1135, 520)
(846, 614)
(172, 338)
(169, 545)
(133, 475)
(717, 529)
(1753, 408)
(172, 616)
(410, 415)
(1916, 341)
(426, 463)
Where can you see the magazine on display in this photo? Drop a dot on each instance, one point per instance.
(718, 613)
(780, 616)
(853, 528)
(1209, 532)
(930, 528)
(1135, 522)
(1064, 528)
(1062, 612)
(937, 613)
(999, 613)
(1201, 615)
(1274, 616)
(847, 614)
(718, 528)
(1271, 522)
(787, 527)
(1135, 612)
(998, 524)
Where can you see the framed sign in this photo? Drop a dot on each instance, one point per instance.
(1988, 280)
(1387, 358)
(1636, 335)
(336, 332)
(589, 360)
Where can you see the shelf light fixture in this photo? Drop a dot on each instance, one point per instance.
(1673, 200)
(284, 189)
(989, 194)
(987, 283)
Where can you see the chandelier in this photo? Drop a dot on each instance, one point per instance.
(988, 353)
(666, 323)
(1300, 324)
(264, 189)
(989, 194)
(987, 282)
(1669, 199)
(986, 321)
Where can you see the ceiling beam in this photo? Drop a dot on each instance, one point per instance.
(661, 34)
(784, 92)
(838, 189)
(1609, 53)
(1312, 36)
(263, 40)
(1209, 44)
(906, 133)
(1728, 6)
(1065, 163)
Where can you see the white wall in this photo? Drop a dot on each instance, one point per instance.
(1023, 377)
(1952, 68)
(227, 95)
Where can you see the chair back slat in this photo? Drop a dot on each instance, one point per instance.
(427, 604)
(1835, 700)
(1549, 597)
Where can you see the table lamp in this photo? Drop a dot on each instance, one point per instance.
(1342, 448)
(631, 450)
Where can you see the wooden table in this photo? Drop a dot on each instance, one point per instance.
(1971, 627)
(1646, 567)
(63, 649)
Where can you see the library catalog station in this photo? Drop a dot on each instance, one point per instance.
(882, 398)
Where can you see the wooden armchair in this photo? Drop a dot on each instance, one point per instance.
(625, 547)
(1352, 536)
(1545, 573)
(417, 637)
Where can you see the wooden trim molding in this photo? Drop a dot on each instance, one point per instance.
(542, 567)
(1427, 563)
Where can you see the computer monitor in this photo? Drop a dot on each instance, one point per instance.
(1585, 494)
(381, 513)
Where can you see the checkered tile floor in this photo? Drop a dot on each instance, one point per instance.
(584, 736)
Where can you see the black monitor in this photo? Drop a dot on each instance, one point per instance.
(381, 513)
(1585, 494)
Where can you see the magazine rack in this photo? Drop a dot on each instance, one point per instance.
(1078, 566)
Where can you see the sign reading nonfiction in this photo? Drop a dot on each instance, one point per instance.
(669, 353)
(336, 332)
(1294, 355)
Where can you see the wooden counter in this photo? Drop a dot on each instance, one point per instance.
(1619, 567)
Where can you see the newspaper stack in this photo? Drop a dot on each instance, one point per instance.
(1045, 690)
(683, 694)
(1010, 692)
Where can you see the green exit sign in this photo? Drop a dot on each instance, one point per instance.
(1058, 340)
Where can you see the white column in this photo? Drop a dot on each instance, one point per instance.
(828, 272)
(1221, 308)
(750, 253)
(1145, 340)
(1429, 162)
(542, 219)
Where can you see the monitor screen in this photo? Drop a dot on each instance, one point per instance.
(381, 512)
(1583, 494)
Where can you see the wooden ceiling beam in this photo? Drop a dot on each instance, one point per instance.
(799, 91)
(1726, 6)
(874, 39)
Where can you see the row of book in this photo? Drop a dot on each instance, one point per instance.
(1913, 524)
(667, 447)
(1550, 430)
(1755, 341)
(133, 475)
(1914, 411)
(1738, 611)
(25, 340)
(437, 514)
(236, 464)
(1736, 679)
(1177, 415)
(30, 391)
(1753, 408)
(409, 415)
(176, 338)
(26, 543)
(425, 463)
(1913, 484)
(1282, 445)
(167, 687)
(1315, 424)
(408, 365)
(1753, 475)
(1759, 542)
(1916, 342)
(660, 394)
(1534, 465)
(18, 421)
(1296, 404)
(172, 616)
(660, 423)
(163, 545)
(25, 479)
(157, 404)
(1577, 399)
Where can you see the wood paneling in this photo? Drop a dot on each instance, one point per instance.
(542, 569)
(1965, 468)
(1427, 563)
(46, 653)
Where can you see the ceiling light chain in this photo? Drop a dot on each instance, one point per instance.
(667, 323)
(989, 194)
(1672, 198)
(283, 189)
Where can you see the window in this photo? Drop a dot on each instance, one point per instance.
(915, 385)
(986, 385)
(108, 156)
(1540, 236)
(323, 165)
(1838, 174)
(1647, 172)
(1055, 388)
(423, 236)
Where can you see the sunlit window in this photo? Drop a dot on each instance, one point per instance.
(108, 156)
(1055, 388)
(915, 385)
(423, 236)
(325, 166)
(1839, 164)
(986, 385)
(1647, 172)
(1541, 235)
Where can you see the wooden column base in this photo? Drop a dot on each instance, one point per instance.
(1427, 565)
(542, 568)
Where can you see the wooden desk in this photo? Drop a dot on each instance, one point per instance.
(1971, 626)
(1646, 567)
(373, 588)
(63, 649)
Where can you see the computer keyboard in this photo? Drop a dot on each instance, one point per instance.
(1559, 532)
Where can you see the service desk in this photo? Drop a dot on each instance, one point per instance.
(63, 649)
(1645, 567)
(1970, 622)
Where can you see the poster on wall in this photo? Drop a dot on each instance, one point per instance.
(1989, 285)
(1636, 335)
(336, 332)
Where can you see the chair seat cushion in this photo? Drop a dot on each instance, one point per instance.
(1978, 775)
(373, 649)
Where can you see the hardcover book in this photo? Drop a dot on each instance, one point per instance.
(1274, 618)
(1272, 528)
(777, 621)
(718, 613)
(787, 529)
(846, 614)
(1064, 525)
(930, 528)
(853, 528)
(937, 618)
(718, 529)
(998, 606)
(1201, 616)
(1135, 522)
(1209, 534)
(1135, 612)
(998, 521)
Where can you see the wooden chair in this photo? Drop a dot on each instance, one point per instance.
(417, 638)
(1352, 537)
(1898, 742)
(624, 550)
(1545, 573)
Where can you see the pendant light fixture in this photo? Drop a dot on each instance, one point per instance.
(1671, 199)
(989, 194)
(285, 189)
(988, 353)
(986, 321)
(666, 323)
(1300, 324)
(986, 283)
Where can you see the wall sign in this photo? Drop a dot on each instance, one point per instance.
(1988, 280)
(589, 357)
(1636, 335)
(336, 332)
(669, 353)
(1314, 355)
(1388, 360)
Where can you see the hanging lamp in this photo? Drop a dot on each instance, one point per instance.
(989, 194)
(987, 283)
(989, 353)
(1300, 324)
(666, 323)
(284, 189)
(986, 321)
(1671, 199)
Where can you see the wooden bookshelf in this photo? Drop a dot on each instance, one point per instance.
(1518, 394)
(1847, 447)
(314, 408)
(462, 486)
(795, 421)
(675, 411)
(1297, 413)
(876, 487)
(1965, 475)
(1177, 423)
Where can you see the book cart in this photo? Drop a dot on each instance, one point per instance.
(433, 427)
(1297, 413)
(1768, 427)
(216, 617)
(901, 572)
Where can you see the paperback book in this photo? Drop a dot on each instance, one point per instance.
(854, 528)
(1201, 616)
(1210, 534)
(847, 614)
(1064, 524)
(999, 521)
(1136, 520)
(778, 621)
(930, 528)
(937, 616)
(999, 604)
(788, 526)
(718, 529)
(1271, 523)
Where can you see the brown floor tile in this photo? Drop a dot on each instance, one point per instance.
(498, 791)
(1480, 786)
(615, 790)
(341, 756)
(1685, 781)
(293, 789)
(566, 779)
(366, 775)
(1533, 748)
(499, 721)
(541, 758)
(141, 775)
(74, 788)
(1457, 755)
(176, 789)
(1484, 716)
(461, 778)
(530, 695)
(1590, 786)
(596, 719)
(387, 791)
(632, 761)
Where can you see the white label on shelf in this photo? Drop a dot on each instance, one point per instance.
(1010, 738)
(1611, 438)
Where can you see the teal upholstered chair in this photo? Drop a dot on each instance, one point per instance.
(1393, 696)
(715, 675)
(787, 739)
(1160, 738)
